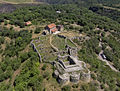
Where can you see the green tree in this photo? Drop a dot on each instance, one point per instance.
(66, 88)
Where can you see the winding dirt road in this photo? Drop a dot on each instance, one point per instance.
(106, 61)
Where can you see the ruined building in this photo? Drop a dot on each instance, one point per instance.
(70, 69)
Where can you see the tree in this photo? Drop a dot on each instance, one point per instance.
(5, 22)
(37, 30)
(44, 67)
(2, 40)
(1, 19)
(23, 56)
(46, 74)
(66, 88)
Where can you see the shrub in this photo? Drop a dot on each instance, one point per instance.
(37, 30)
(46, 74)
(66, 88)
(44, 67)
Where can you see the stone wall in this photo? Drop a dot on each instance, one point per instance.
(85, 76)
(75, 77)
(74, 71)
(72, 51)
(35, 49)
(63, 79)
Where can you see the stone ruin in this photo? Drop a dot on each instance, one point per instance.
(70, 69)
(71, 50)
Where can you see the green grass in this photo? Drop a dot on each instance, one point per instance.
(70, 43)
(46, 48)
(59, 42)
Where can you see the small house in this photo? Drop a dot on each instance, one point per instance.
(28, 23)
(51, 28)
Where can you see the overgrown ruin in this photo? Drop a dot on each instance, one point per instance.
(68, 67)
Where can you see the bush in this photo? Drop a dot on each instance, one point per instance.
(46, 74)
(75, 86)
(44, 67)
(37, 30)
(97, 50)
(24, 56)
(5, 22)
(2, 40)
(66, 88)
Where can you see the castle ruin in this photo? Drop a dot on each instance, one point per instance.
(70, 69)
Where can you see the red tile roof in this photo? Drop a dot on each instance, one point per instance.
(51, 26)
(54, 30)
(28, 23)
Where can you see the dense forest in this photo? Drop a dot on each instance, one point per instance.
(20, 69)
(111, 13)
(88, 2)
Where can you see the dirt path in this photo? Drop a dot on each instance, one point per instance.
(111, 8)
(106, 61)
(56, 49)
(17, 72)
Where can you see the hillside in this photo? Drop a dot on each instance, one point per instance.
(19, 1)
(80, 2)
(88, 2)
(30, 54)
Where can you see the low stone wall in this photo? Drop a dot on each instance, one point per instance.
(62, 36)
(72, 51)
(40, 59)
(73, 42)
(56, 74)
(77, 37)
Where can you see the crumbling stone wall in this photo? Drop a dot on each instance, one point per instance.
(35, 49)
(71, 51)
(74, 77)
(85, 76)
(74, 74)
